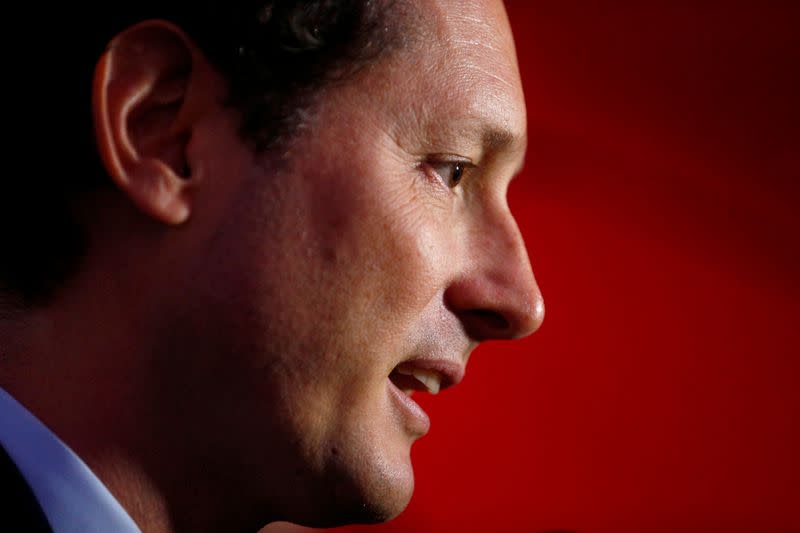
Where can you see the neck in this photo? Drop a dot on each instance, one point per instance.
(80, 377)
(125, 391)
(105, 401)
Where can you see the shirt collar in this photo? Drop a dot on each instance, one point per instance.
(70, 495)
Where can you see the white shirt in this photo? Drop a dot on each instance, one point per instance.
(71, 496)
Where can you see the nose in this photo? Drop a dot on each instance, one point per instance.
(497, 296)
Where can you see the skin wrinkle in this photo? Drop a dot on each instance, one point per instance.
(478, 21)
(486, 72)
(473, 42)
(467, 75)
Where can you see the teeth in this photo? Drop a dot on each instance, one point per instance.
(430, 379)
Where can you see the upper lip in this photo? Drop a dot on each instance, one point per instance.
(450, 372)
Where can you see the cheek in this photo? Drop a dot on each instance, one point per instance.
(380, 245)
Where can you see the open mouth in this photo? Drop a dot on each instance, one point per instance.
(411, 379)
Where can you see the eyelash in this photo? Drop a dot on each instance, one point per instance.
(460, 169)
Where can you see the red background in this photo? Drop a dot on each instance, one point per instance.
(660, 208)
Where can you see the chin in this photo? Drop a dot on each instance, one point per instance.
(365, 511)
(379, 505)
(372, 493)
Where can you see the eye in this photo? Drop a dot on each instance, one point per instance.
(450, 172)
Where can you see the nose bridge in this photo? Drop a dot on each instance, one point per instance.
(509, 269)
(500, 297)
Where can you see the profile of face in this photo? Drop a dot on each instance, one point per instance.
(314, 296)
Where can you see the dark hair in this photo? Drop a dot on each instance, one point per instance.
(275, 54)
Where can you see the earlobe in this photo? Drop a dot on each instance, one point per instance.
(144, 115)
(159, 193)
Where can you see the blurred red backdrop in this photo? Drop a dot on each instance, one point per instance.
(660, 208)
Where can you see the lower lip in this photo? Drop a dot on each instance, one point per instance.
(415, 419)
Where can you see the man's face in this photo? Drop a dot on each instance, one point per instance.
(383, 247)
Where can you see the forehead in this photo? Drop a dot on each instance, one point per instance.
(468, 64)
(453, 88)
(460, 74)
(473, 33)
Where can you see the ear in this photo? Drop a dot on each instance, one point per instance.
(148, 94)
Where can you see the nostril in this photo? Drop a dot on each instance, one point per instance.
(490, 320)
(492, 307)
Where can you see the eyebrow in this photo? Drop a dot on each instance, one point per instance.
(490, 136)
(499, 140)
